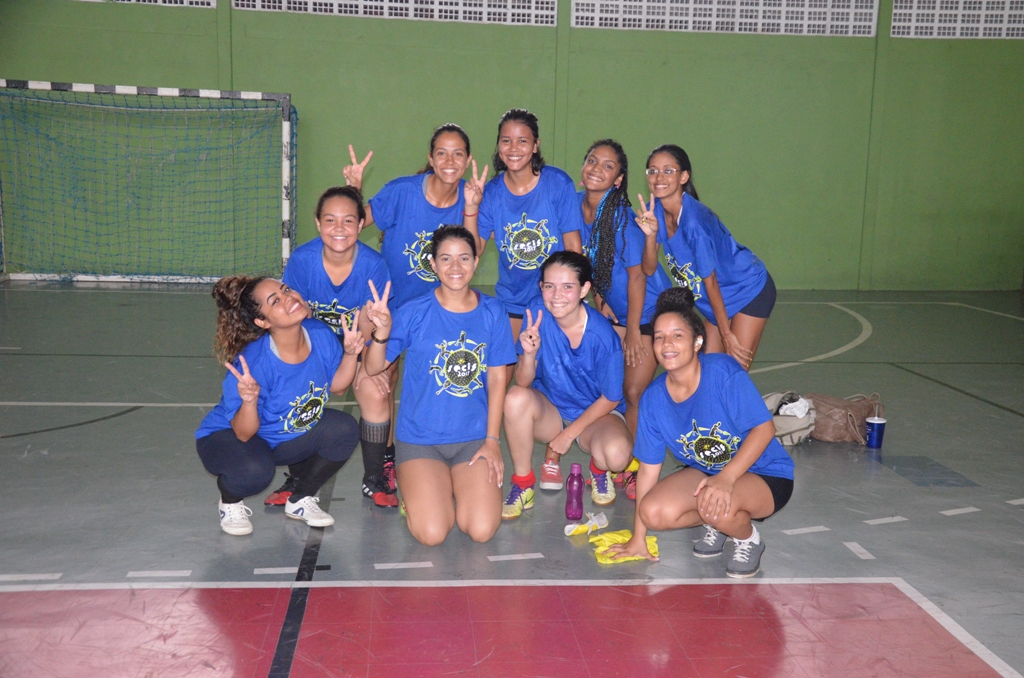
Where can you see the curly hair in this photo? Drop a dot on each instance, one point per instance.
(679, 300)
(523, 116)
(609, 220)
(237, 310)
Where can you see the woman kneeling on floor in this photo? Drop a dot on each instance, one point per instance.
(457, 347)
(707, 411)
(273, 409)
(568, 387)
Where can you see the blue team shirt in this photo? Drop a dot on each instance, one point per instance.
(706, 430)
(705, 241)
(629, 251)
(408, 220)
(444, 385)
(292, 397)
(329, 302)
(574, 378)
(527, 229)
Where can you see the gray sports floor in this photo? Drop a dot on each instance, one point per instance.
(102, 387)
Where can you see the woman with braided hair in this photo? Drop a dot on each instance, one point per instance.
(615, 245)
(282, 368)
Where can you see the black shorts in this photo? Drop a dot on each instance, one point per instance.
(516, 316)
(760, 306)
(781, 489)
(647, 329)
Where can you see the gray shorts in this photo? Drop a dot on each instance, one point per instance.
(566, 422)
(450, 453)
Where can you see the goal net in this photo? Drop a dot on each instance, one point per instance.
(131, 183)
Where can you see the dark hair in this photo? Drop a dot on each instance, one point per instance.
(237, 310)
(608, 220)
(449, 231)
(523, 116)
(569, 259)
(447, 127)
(679, 300)
(350, 192)
(684, 165)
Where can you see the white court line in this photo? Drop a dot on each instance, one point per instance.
(40, 403)
(885, 521)
(515, 556)
(806, 530)
(865, 332)
(401, 566)
(10, 348)
(30, 577)
(1016, 502)
(956, 512)
(159, 573)
(859, 550)
(275, 570)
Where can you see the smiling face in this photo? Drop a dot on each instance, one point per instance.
(601, 170)
(339, 224)
(668, 178)
(449, 157)
(561, 291)
(454, 264)
(516, 145)
(280, 305)
(675, 345)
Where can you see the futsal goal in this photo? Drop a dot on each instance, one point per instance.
(144, 183)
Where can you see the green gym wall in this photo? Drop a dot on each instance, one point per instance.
(844, 163)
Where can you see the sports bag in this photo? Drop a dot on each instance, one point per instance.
(789, 430)
(844, 419)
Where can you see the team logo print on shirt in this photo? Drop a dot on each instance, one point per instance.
(459, 366)
(333, 314)
(306, 409)
(421, 264)
(712, 448)
(527, 243)
(684, 275)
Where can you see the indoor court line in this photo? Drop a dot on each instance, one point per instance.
(865, 332)
(886, 521)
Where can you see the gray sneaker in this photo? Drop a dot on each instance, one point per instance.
(746, 559)
(710, 545)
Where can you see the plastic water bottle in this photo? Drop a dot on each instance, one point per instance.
(574, 493)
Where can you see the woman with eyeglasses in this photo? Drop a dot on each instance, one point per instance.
(733, 289)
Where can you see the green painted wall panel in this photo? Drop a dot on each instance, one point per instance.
(842, 162)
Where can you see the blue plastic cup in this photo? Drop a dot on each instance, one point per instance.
(875, 432)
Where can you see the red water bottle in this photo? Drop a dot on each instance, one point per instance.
(574, 493)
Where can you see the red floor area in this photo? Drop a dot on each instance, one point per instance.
(870, 630)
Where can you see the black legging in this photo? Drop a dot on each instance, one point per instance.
(245, 469)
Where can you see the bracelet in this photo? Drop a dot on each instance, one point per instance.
(492, 438)
(466, 214)
(373, 336)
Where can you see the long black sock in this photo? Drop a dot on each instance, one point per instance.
(226, 496)
(373, 440)
(317, 472)
(298, 470)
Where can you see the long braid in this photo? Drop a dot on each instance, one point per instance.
(610, 219)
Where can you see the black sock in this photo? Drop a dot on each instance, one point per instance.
(317, 472)
(373, 440)
(298, 470)
(389, 454)
(226, 496)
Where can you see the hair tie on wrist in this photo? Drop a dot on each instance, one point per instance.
(492, 438)
(467, 214)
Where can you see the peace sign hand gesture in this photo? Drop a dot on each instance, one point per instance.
(377, 310)
(354, 172)
(646, 219)
(474, 190)
(529, 338)
(353, 338)
(248, 389)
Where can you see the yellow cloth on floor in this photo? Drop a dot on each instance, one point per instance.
(603, 541)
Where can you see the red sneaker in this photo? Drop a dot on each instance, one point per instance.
(629, 484)
(279, 496)
(551, 476)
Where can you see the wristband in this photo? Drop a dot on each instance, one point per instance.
(466, 214)
(492, 438)
(373, 336)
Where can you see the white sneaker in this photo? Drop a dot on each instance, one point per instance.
(234, 518)
(308, 509)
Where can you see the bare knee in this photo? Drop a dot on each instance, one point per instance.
(429, 533)
(633, 393)
(518, 399)
(654, 515)
(481, 529)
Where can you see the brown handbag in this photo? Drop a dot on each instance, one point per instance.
(841, 420)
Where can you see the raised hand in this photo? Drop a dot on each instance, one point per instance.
(377, 310)
(248, 389)
(646, 219)
(474, 189)
(353, 340)
(354, 173)
(529, 338)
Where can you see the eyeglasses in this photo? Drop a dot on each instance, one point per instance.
(667, 172)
